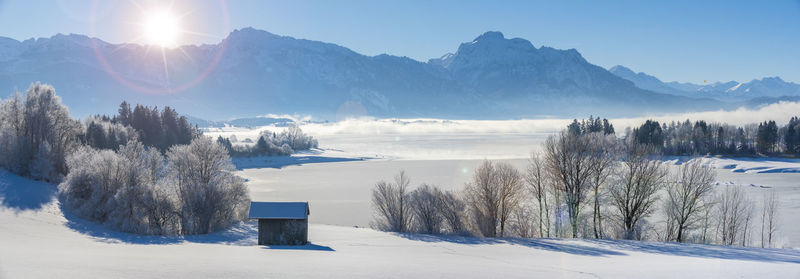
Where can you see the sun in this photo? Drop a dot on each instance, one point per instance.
(161, 28)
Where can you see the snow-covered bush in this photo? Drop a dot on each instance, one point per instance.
(293, 137)
(134, 190)
(272, 144)
(115, 189)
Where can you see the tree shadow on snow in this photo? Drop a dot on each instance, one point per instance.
(278, 162)
(308, 247)
(705, 250)
(241, 234)
(618, 247)
(19, 194)
(535, 243)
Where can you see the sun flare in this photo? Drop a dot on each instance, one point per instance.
(161, 28)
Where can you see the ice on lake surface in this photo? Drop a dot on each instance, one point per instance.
(337, 180)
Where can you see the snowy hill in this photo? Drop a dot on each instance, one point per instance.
(768, 89)
(253, 72)
(35, 233)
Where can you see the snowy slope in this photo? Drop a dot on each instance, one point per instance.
(39, 241)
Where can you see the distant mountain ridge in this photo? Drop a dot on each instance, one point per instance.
(763, 89)
(254, 72)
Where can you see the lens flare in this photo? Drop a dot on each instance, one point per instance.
(161, 28)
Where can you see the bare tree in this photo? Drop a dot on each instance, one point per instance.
(537, 180)
(634, 194)
(452, 208)
(568, 158)
(733, 211)
(603, 160)
(426, 204)
(523, 224)
(687, 197)
(511, 192)
(483, 197)
(391, 202)
(769, 221)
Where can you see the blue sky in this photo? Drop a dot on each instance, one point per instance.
(688, 41)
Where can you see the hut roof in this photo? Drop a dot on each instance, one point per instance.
(278, 210)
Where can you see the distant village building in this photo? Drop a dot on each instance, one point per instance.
(281, 223)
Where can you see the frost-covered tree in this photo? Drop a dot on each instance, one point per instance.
(42, 167)
(210, 195)
(769, 218)
(426, 204)
(102, 133)
(568, 158)
(733, 213)
(688, 198)
(634, 193)
(537, 179)
(391, 204)
(511, 193)
(131, 190)
(603, 149)
(452, 210)
(483, 198)
(37, 120)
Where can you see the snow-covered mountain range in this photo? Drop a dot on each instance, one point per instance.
(765, 88)
(254, 72)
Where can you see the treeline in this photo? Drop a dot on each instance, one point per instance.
(585, 183)
(113, 170)
(702, 138)
(160, 129)
(272, 144)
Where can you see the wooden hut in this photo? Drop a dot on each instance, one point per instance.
(281, 223)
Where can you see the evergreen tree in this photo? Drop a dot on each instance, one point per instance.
(124, 113)
(650, 133)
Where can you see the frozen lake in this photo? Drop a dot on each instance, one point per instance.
(338, 180)
(339, 192)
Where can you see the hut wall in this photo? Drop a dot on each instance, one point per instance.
(282, 232)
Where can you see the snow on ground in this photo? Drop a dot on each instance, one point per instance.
(355, 154)
(747, 165)
(38, 241)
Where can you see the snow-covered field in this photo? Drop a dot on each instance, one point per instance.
(37, 240)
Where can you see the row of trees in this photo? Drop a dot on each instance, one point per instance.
(103, 134)
(426, 209)
(162, 129)
(272, 144)
(582, 184)
(107, 175)
(700, 137)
